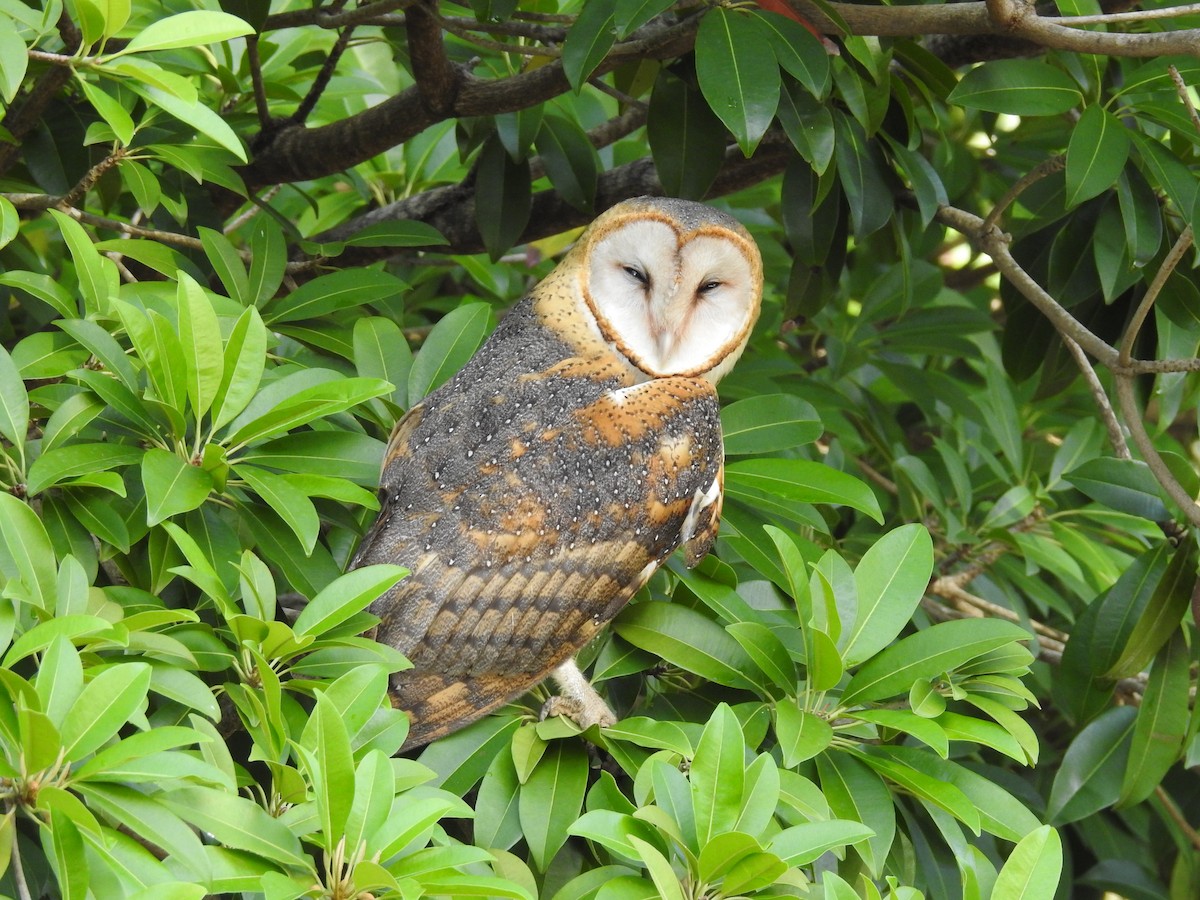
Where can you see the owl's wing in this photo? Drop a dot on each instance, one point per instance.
(555, 503)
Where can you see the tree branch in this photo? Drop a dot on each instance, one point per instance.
(297, 153)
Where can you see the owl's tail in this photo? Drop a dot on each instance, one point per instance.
(438, 705)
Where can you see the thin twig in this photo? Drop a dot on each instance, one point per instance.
(19, 868)
(323, 77)
(995, 243)
(256, 79)
(1158, 468)
(1185, 96)
(163, 237)
(1116, 437)
(530, 50)
(1140, 15)
(1176, 816)
(1180, 247)
(1048, 167)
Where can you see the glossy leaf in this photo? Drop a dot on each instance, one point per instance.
(686, 139)
(1033, 869)
(798, 479)
(718, 774)
(503, 198)
(1122, 484)
(739, 81)
(551, 799)
(172, 485)
(937, 649)
(588, 42)
(769, 423)
(332, 293)
(1161, 724)
(890, 579)
(104, 707)
(14, 402)
(1019, 87)
(570, 159)
(1091, 773)
(450, 344)
(1096, 154)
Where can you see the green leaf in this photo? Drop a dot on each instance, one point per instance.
(1033, 868)
(855, 792)
(397, 233)
(268, 259)
(688, 639)
(59, 679)
(333, 773)
(172, 485)
(106, 704)
(451, 342)
(798, 52)
(860, 169)
(1090, 775)
(768, 423)
(630, 15)
(551, 798)
(194, 114)
(14, 403)
(1096, 154)
(739, 80)
(659, 868)
(70, 861)
(242, 367)
(380, 351)
(802, 480)
(891, 579)
(186, 29)
(26, 554)
(44, 288)
(801, 734)
(293, 410)
(289, 502)
(14, 62)
(238, 823)
(1125, 485)
(227, 263)
(570, 159)
(111, 111)
(199, 336)
(686, 138)
(344, 597)
(10, 219)
(503, 196)
(60, 464)
(928, 653)
(718, 774)
(587, 43)
(1161, 724)
(97, 275)
(342, 290)
(801, 844)
(1019, 87)
(1159, 615)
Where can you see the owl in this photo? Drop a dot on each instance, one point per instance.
(535, 492)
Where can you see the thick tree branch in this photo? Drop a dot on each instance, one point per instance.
(298, 154)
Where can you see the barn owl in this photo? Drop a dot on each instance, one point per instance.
(536, 491)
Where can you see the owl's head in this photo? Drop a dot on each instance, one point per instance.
(674, 286)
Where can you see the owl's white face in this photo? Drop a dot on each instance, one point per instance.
(674, 302)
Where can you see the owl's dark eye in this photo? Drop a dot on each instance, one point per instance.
(637, 275)
(708, 287)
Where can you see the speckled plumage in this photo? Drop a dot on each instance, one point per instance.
(536, 491)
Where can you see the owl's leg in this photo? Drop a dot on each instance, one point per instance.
(577, 699)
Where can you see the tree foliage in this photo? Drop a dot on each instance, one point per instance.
(946, 647)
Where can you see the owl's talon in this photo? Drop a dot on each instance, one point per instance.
(583, 714)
